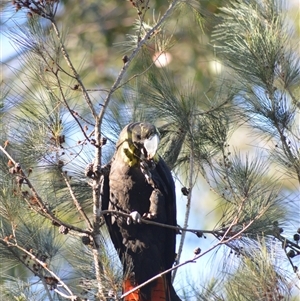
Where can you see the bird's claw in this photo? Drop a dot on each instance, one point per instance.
(134, 217)
(149, 215)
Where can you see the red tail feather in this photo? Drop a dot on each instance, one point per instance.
(127, 286)
(158, 292)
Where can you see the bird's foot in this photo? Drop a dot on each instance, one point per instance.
(134, 217)
(149, 215)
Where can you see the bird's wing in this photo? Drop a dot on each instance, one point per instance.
(113, 229)
(166, 185)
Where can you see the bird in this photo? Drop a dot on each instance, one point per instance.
(140, 185)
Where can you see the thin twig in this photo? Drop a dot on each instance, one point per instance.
(97, 90)
(205, 112)
(72, 298)
(138, 74)
(179, 229)
(286, 149)
(70, 64)
(46, 288)
(236, 219)
(192, 260)
(68, 107)
(76, 203)
(188, 210)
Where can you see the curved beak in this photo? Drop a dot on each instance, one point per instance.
(150, 145)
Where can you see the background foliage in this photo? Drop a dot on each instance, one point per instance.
(220, 79)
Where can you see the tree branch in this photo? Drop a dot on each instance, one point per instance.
(143, 41)
(44, 210)
(44, 266)
(179, 229)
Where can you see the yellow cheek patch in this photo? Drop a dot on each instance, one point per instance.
(128, 154)
(156, 158)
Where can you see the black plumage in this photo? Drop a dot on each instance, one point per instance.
(140, 181)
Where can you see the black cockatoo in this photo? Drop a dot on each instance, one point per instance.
(139, 183)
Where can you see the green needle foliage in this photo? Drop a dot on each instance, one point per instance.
(81, 72)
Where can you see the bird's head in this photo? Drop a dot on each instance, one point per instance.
(138, 141)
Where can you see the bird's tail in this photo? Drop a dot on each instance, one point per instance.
(161, 291)
(135, 295)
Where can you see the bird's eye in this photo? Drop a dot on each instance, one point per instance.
(139, 137)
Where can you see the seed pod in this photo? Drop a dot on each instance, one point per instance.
(197, 251)
(103, 141)
(60, 163)
(61, 139)
(291, 253)
(296, 237)
(19, 180)
(125, 59)
(295, 269)
(199, 234)
(185, 191)
(85, 240)
(89, 170)
(10, 163)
